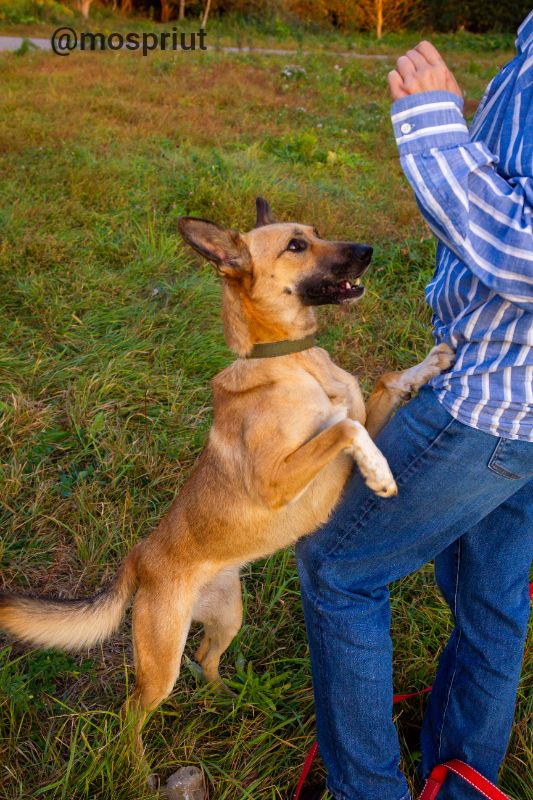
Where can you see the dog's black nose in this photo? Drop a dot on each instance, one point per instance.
(363, 253)
(359, 255)
(351, 257)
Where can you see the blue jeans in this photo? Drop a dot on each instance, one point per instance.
(466, 499)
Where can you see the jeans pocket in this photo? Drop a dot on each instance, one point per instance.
(512, 459)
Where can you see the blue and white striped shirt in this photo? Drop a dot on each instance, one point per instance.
(475, 189)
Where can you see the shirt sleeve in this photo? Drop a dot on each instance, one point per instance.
(485, 219)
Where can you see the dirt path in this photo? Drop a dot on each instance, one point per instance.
(11, 43)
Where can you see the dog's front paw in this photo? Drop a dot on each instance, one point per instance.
(411, 380)
(373, 465)
(439, 359)
(378, 476)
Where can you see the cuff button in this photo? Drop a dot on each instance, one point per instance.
(406, 127)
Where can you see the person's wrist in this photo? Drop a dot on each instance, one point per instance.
(428, 119)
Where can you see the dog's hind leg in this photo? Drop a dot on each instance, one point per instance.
(219, 608)
(161, 620)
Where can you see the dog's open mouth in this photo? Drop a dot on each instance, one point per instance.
(327, 291)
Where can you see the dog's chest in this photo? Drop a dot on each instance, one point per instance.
(341, 395)
(339, 400)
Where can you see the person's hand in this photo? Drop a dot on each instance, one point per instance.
(421, 70)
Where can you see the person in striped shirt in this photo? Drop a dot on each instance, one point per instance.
(461, 452)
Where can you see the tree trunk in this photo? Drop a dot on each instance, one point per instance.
(206, 14)
(125, 7)
(84, 8)
(379, 19)
(165, 11)
(181, 13)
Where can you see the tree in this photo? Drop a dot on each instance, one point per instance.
(205, 14)
(476, 15)
(378, 8)
(84, 7)
(380, 15)
(181, 12)
(166, 9)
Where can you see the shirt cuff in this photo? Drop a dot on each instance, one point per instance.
(425, 120)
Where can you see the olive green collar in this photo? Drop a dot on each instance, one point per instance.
(283, 348)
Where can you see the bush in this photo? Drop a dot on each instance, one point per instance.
(28, 11)
(477, 16)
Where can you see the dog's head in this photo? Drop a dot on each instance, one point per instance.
(278, 271)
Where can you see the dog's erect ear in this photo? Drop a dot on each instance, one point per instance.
(223, 248)
(264, 213)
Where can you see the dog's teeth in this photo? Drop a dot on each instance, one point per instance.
(347, 285)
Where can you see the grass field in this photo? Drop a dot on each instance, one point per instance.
(110, 336)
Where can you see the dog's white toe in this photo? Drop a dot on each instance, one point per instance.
(372, 463)
(441, 358)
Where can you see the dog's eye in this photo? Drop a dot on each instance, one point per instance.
(297, 245)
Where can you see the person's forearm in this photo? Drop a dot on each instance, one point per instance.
(485, 219)
(482, 217)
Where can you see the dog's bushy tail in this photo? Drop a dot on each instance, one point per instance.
(70, 624)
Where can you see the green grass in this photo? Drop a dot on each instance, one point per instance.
(110, 335)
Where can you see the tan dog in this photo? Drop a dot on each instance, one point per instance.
(288, 424)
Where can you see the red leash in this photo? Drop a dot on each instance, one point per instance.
(438, 774)
(433, 783)
(313, 750)
(398, 698)
(467, 773)
(310, 757)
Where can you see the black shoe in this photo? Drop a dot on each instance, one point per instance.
(312, 793)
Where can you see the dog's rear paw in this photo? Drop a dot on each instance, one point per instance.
(221, 688)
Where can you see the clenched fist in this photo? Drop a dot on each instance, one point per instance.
(421, 70)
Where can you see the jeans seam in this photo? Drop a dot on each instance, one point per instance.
(372, 501)
(503, 472)
(497, 468)
(450, 687)
(426, 450)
